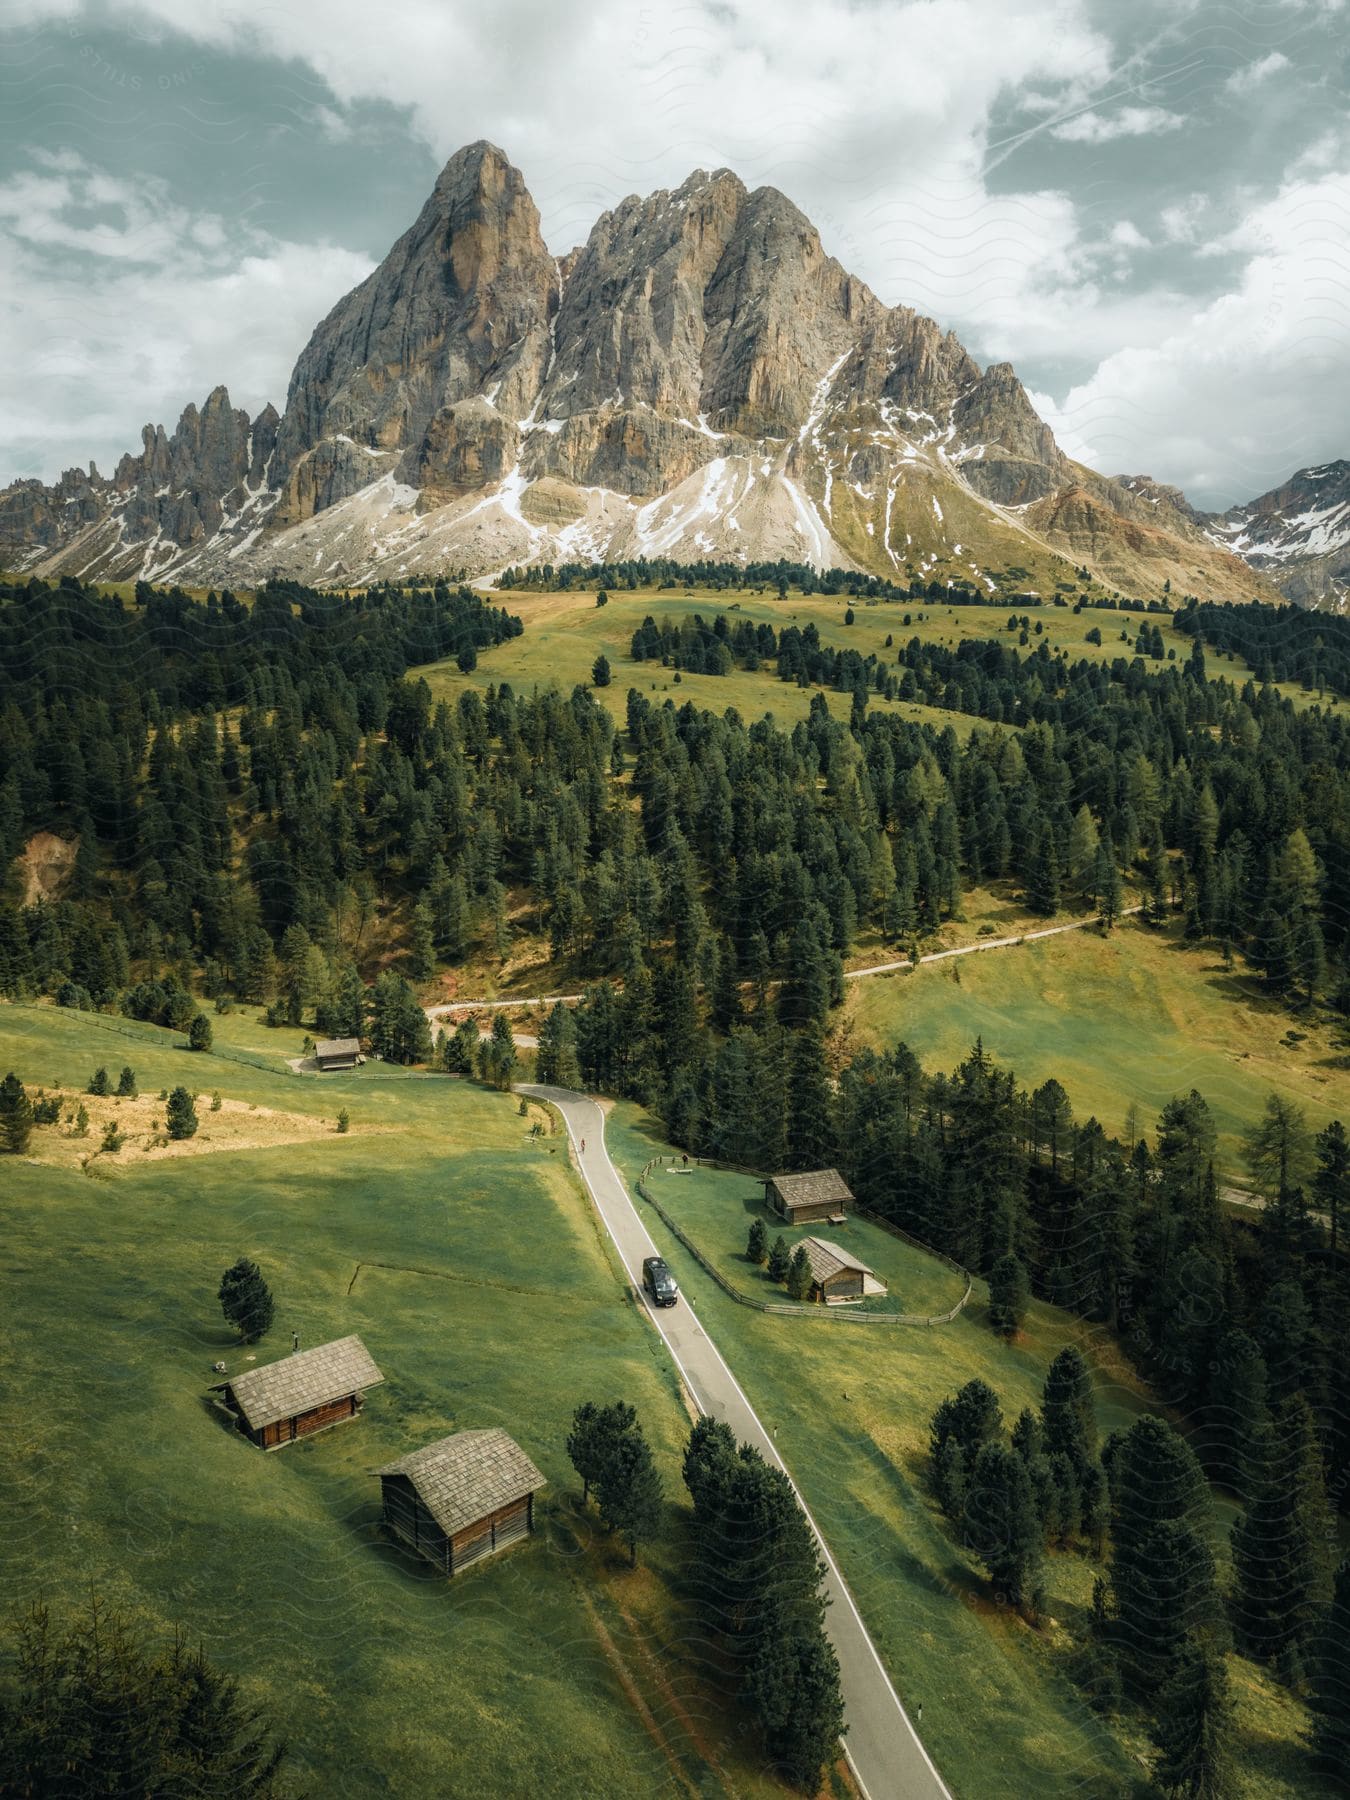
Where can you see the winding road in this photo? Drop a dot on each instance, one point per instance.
(882, 1746)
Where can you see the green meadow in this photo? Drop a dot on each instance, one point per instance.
(467, 1258)
(849, 1407)
(1130, 1018)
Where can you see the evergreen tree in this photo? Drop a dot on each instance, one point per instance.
(600, 671)
(628, 1489)
(1331, 1183)
(1043, 881)
(757, 1244)
(1331, 1684)
(423, 952)
(89, 1708)
(460, 1048)
(16, 1116)
(1192, 1727)
(1009, 1295)
(180, 1114)
(710, 1466)
(1068, 1411)
(98, 1082)
(1161, 1573)
(199, 1032)
(1002, 1525)
(126, 1083)
(799, 1274)
(1280, 1546)
(591, 1442)
(556, 1064)
(246, 1300)
(780, 1259)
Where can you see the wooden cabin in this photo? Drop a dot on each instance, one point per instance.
(461, 1498)
(838, 1278)
(800, 1199)
(303, 1393)
(338, 1053)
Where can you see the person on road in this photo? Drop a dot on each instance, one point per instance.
(583, 1146)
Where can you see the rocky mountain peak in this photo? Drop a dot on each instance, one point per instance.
(699, 377)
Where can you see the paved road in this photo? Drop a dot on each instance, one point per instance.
(882, 1746)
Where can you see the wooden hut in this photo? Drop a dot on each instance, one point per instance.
(303, 1393)
(799, 1199)
(838, 1278)
(338, 1053)
(461, 1498)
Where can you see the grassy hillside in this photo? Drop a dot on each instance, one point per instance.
(849, 1406)
(1135, 1017)
(565, 632)
(460, 1251)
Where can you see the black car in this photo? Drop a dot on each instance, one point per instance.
(659, 1282)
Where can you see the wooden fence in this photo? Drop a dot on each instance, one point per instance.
(842, 1315)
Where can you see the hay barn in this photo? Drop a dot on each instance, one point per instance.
(303, 1393)
(461, 1498)
(823, 1194)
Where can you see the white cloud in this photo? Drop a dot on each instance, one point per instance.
(1257, 382)
(118, 306)
(1129, 122)
(1252, 74)
(1126, 235)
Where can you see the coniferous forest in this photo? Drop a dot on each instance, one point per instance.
(270, 808)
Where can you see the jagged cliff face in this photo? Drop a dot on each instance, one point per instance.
(1298, 534)
(698, 379)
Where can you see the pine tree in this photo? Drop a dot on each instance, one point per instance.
(1331, 1183)
(423, 956)
(1280, 1546)
(1192, 1727)
(799, 1274)
(1002, 1525)
(246, 1300)
(199, 1032)
(600, 671)
(1161, 1573)
(757, 1244)
(98, 1082)
(556, 1064)
(780, 1259)
(1068, 1411)
(92, 1698)
(180, 1114)
(628, 1489)
(1331, 1683)
(709, 1466)
(16, 1116)
(126, 1083)
(1009, 1295)
(1043, 881)
(590, 1443)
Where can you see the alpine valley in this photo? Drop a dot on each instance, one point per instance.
(698, 380)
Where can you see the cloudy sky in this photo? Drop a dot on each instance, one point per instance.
(1142, 204)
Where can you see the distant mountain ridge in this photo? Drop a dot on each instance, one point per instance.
(698, 379)
(1298, 534)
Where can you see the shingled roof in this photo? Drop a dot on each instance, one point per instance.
(821, 1187)
(309, 1378)
(463, 1477)
(338, 1047)
(827, 1259)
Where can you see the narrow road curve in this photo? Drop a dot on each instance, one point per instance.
(882, 1746)
(902, 967)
